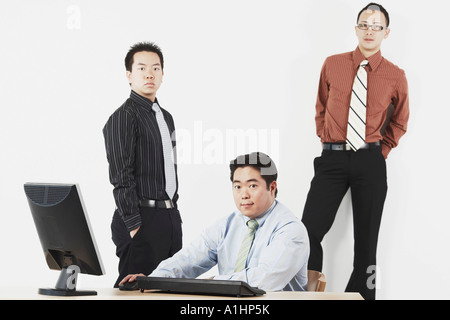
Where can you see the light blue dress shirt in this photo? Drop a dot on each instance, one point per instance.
(277, 259)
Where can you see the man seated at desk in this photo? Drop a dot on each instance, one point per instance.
(262, 243)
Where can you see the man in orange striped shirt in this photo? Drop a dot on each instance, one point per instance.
(339, 167)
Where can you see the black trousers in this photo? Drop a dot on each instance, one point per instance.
(159, 237)
(364, 172)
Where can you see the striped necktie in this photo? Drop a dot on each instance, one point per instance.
(169, 167)
(356, 129)
(246, 245)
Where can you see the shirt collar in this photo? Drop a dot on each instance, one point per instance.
(374, 60)
(263, 216)
(142, 100)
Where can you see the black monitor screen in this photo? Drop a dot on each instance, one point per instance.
(64, 230)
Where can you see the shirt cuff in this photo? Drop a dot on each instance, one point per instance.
(132, 221)
(385, 150)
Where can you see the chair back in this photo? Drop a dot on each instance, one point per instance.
(316, 281)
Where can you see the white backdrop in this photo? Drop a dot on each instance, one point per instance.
(239, 76)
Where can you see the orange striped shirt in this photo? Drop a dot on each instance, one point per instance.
(387, 99)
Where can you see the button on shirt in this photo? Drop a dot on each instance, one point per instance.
(135, 154)
(277, 259)
(386, 85)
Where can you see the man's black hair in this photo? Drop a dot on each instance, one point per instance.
(259, 161)
(376, 7)
(143, 46)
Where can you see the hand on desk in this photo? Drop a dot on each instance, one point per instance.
(131, 278)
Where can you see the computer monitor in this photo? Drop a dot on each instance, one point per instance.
(65, 234)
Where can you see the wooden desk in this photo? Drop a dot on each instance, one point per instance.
(18, 293)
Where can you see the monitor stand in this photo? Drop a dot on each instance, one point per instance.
(66, 284)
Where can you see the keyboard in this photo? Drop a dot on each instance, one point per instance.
(199, 286)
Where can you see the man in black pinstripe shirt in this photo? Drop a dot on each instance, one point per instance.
(146, 226)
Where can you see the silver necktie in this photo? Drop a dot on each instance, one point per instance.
(169, 166)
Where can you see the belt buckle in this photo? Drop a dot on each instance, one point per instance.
(365, 146)
(341, 147)
(336, 146)
(168, 204)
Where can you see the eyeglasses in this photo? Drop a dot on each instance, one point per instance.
(374, 27)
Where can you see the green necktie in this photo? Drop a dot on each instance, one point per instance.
(246, 245)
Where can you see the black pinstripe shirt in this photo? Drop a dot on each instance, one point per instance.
(135, 155)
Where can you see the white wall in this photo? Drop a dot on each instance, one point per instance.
(232, 67)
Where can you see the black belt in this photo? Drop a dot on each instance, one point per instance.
(162, 204)
(346, 146)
